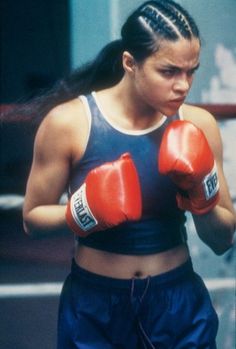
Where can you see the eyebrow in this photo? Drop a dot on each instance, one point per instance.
(175, 67)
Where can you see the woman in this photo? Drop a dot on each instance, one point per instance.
(133, 157)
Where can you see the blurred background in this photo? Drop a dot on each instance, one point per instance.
(42, 41)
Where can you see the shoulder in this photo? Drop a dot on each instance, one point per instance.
(64, 120)
(64, 127)
(201, 118)
(64, 116)
(206, 122)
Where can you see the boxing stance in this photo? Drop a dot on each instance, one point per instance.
(133, 158)
(111, 194)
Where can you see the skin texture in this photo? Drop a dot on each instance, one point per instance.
(148, 90)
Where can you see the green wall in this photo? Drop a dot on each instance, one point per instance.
(95, 22)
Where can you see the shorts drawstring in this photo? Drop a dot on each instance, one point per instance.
(132, 290)
(145, 290)
(143, 336)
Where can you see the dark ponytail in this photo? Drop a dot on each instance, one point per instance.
(104, 71)
(141, 35)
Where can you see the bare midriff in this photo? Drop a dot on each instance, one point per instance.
(129, 266)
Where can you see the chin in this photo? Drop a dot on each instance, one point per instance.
(169, 113)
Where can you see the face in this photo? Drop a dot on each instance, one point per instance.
(164, 79)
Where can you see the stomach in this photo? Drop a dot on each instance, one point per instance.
(128, 266)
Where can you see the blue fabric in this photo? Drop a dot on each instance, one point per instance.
(162, 225)
(169, 311)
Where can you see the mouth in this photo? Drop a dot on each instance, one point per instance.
(178, 100)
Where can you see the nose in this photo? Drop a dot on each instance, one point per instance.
(182, 84)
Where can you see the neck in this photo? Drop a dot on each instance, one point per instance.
(128, 106)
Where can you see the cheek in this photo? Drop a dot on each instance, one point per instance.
(154, 87)
(161, 88)
(157, 85)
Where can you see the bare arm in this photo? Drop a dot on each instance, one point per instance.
(49, 174)
(216, 228)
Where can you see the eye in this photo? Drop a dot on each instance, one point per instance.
(191, 72)
(168, 72)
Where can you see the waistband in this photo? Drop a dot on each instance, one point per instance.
(173, 276)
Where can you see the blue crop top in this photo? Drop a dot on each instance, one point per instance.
(162, 225)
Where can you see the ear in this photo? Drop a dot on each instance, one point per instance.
(128, 62)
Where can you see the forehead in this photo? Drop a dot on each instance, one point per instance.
(179, 53)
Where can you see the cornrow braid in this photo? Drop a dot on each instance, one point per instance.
(170, 17)
(160, 20)
(187, 25)
(154, 21)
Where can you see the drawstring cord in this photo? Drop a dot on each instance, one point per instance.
(145, 336)
(140, 299)
(144, 292)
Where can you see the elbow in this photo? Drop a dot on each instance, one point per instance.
(30, 225)
(27, 228)
(220, 250)
(26, 225)
(223, 239)
(31, 231)
(223, 246)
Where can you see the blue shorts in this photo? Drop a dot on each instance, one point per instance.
(169, 311)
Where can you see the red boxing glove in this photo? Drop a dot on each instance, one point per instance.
(186, 157)
(110, 195)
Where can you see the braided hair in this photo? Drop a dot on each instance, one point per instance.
(141, 35)
(154, 21)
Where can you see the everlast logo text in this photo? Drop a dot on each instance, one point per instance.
(81, 211)
(211, 184)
